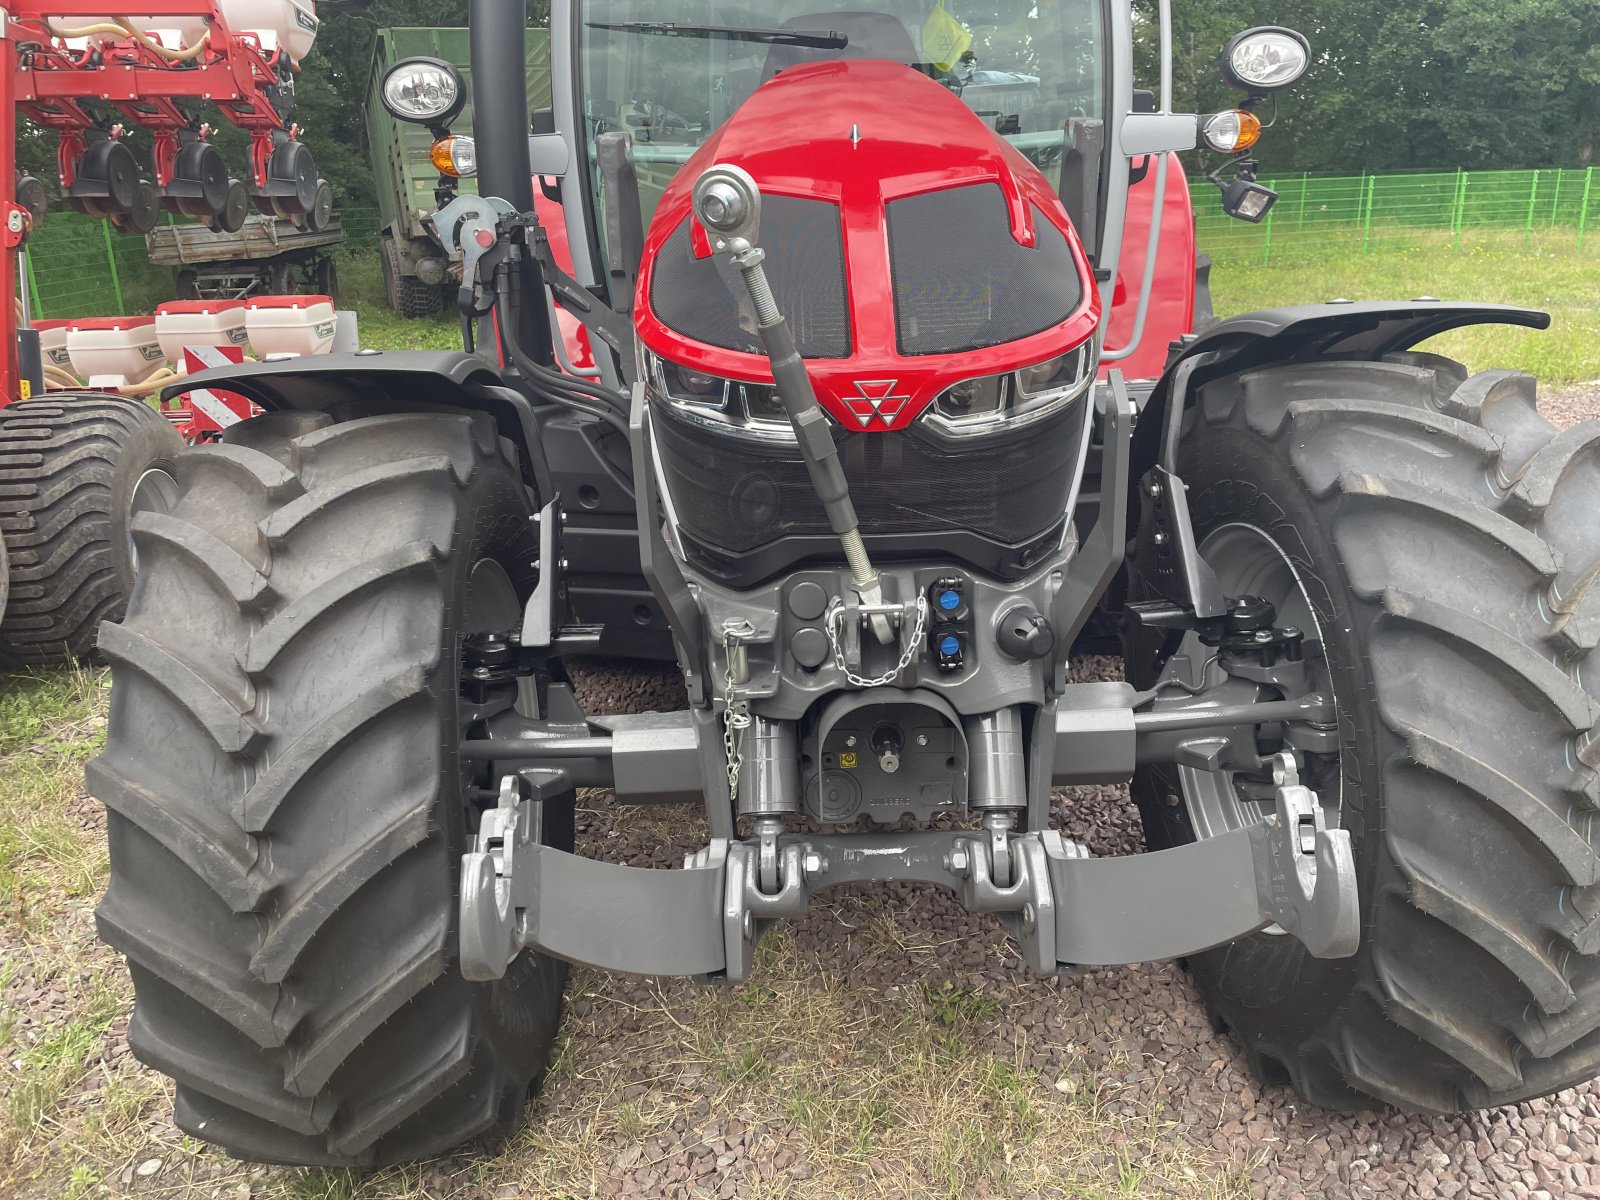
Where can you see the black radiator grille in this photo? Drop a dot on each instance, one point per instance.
(703, 298)
(738, 493)
(961, 281)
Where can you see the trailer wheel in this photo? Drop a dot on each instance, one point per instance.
(407, 295)
(286, 810)
(72, 471)
(1438, 538)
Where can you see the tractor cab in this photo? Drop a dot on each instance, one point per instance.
(669, 76)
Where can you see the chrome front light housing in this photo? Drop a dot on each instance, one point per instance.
(1266, 59)
(424, 91)
(989, 402)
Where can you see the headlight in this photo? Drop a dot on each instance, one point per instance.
(426, 91)
(992, 402)
(726, 404)
(1266, 59)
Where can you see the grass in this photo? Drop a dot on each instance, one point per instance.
(1498, 268)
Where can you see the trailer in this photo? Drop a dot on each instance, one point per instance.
(417, 276)
(267, 256)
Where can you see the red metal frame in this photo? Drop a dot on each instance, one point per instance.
(804, 133)
(47, 83)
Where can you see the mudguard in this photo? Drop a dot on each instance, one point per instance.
(1365, 330)
(370, 382)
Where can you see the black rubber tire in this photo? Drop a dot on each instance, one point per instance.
(1449, 541)
(286, 811)
(407, 295)
(69, 465)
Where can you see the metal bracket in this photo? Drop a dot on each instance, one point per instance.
(1167, 547)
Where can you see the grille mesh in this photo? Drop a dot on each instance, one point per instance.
(704, 298)
(961, 281)
(739, 493)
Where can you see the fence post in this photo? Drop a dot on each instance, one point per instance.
(1266, 245)
(1533, 199)
(33, 292)
(1583, 207)
(1366, 203)
(1305, 184)
(1461, 205)
(1555, 198)
(111, 261)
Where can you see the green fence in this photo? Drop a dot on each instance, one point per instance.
(1549, 210)
(80, 266)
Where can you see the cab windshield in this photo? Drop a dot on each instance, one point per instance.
(1030, 68)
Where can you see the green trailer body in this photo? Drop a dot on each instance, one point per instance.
(404, 176)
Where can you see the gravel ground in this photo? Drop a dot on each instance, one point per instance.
(891, 1044)
(1146, 1022)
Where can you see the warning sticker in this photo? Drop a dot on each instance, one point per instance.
(847, 760)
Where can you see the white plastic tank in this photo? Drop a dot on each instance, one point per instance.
(289, 25)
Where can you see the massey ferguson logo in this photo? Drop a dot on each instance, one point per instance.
(876, 398)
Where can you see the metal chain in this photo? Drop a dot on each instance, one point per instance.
(735, 712)
(836, 610)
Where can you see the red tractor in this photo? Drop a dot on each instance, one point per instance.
(75, 464)
(860, 408)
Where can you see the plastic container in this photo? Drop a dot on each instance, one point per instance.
(292, 325)
(182, 323)
(53, 342)
(112, 351)
(288, 25)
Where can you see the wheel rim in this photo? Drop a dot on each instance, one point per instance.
(1248, 561)
(156, 491)
(491, 604)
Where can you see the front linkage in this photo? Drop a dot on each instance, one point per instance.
(1066, 908)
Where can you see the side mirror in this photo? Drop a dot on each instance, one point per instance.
(1266, 59)
(424, 91)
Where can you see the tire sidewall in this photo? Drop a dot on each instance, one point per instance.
(152, 445)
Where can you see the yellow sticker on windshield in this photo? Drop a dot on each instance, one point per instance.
(944, 39)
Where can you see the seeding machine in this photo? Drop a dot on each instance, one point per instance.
(82, 447)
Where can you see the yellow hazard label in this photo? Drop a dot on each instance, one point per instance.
(847, 760)
(27, 390)
(944, 39)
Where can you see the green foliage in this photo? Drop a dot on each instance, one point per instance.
(1479, 84)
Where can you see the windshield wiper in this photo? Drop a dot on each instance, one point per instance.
(817, 39)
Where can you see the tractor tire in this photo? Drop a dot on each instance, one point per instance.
(407, 295)
(72, 471)
(1445, 538)
(286, 811)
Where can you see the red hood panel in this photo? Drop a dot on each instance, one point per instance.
(859, 133)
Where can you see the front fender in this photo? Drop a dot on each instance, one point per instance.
(371, 382)
(1366, 330)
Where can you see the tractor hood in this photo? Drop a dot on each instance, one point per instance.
(909, 245)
